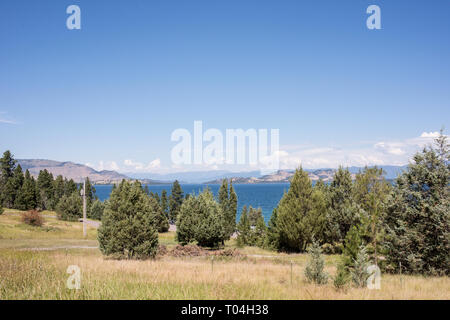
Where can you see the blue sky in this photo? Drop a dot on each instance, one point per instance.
(112, 93)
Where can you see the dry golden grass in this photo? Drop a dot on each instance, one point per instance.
(12, 228)
(42, 275)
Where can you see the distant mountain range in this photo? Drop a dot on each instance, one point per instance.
(326, 175)
(78, 172)
(75, 171)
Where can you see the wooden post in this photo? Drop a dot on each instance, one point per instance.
(84, 208)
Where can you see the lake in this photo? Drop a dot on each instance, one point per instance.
(265, 196)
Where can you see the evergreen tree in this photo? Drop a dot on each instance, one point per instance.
(162, 222)
(314, 271)
(200, 220)
(45, 190)
(16, 185)
(7, 191)
(300, 214)
(26, 199)
(418, 218)
(188, 220)
(228, 203)
(176, 199)
(351, 247)
(243, 228)
(96, 210)
(343, 212)
(59, 188)
(259, 232)
(272, 239)
(165, 203)
(70, 208)
(232, 211)
(128, 226)
(69, 187)
(371, 192)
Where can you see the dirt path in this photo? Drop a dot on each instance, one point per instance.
(58, 248)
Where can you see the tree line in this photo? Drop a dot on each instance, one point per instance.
(401, 227)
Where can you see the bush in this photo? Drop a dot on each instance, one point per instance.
(314, 271)
(70, 208)
(32, 218)
(1, 210)
(201, 219)
(342, 277)
(128, 228)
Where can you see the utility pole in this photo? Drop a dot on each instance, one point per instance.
(84, 208)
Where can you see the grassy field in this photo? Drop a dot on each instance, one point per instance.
(34, 261)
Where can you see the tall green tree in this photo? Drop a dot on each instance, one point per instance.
(26, 199)
(243, 228)
(69, 187)
(165, 203)
(418, 217)
(300, 214)
(162, 220)
(228, 203)
(59, 188)
(46, 199)
(371, 193)
(343, 212)
(7, 191)
(176, 199)
(128, 228)
(15, 183)
(272, 239)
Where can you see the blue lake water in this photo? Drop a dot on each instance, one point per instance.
(265, 196)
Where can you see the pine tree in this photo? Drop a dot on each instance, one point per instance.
(418, 218)
(70, 208)
(371, 192)
(7, 191)
(259, 232)
(300, 214)
(165, 203)
(187, 220)
(343, 212)
(200, 220)
(46, 200)
(272, 239)
(59, 188)
(352, 244)
(162, 221)
(128, 228)
(314, 271)
(243, 228)
(228, 203)
(69, 187)
(96, 210)
(176, 199)
(16, 183)
(26, 200)
(232, 211)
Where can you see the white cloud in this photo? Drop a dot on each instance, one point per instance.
(140, 167)
(6, 120)
(430, 134)
(104, 165)
(395, 152)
